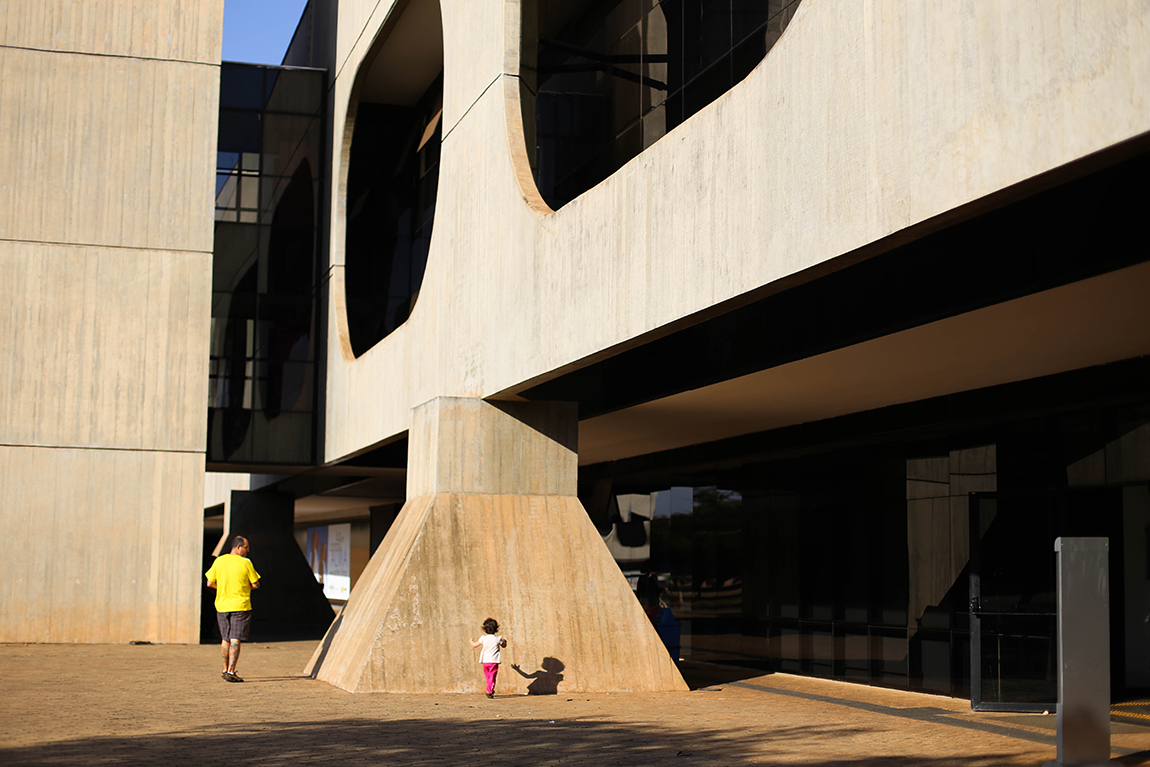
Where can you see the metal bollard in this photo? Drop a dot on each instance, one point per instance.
(1083, 652)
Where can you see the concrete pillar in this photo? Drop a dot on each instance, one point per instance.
(289, 601)
(492, 528)
(109, 118)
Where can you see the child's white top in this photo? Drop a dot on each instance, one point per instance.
(490, 648)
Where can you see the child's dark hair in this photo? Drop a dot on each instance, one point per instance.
(490, 625)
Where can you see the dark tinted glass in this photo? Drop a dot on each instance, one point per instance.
(299, 91)
(611, 78)
(856, 561)
(393, 175)
(241, 86)
(240, 131)
(262, 393)
(1018, 661)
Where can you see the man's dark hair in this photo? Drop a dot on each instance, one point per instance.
(490, 625)
(239, 540)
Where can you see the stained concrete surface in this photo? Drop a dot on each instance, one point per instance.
(166, 704)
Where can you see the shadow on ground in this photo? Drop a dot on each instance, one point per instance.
(455, 741)
(698, 675)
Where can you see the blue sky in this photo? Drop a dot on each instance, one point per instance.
(258, 31)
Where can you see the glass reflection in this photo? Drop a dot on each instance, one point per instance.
(393, 176)
(924, 563)
(604, 81)
(261, 400)
(776, 572)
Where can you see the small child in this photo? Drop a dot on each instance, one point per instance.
(489, 655)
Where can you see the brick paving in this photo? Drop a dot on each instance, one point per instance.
(166, 705)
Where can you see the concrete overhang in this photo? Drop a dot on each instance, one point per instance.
(1091, 322)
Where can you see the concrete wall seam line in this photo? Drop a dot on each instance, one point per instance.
(395, 5)
(106, 448)
(474, 102)
(104, 246)
(56, 52)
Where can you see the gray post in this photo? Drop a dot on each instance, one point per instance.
(1083, 652)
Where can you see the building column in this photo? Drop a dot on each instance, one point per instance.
(492, 528)
(290, 601)
(109, 121)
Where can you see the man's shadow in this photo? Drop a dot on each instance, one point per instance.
(547, 679)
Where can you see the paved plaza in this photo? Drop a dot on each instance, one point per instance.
(166, 705)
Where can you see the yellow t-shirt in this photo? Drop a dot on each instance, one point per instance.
(234, 576)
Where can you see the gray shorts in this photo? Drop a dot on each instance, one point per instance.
(234, 625)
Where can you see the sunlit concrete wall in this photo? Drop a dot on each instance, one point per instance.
(108, 113)
(864, 121)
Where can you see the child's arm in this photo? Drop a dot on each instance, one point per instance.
(502, 642)
(474, 643)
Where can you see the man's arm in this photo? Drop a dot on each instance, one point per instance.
(253, 576)
(211, 584)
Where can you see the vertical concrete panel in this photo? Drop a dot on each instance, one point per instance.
(98, 561)
(168, 29)
(109, 346)
(107, 151)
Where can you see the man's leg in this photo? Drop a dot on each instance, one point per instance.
(224, 625)
(241, 626)
(233, 655)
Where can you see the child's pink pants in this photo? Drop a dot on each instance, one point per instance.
(489, 671)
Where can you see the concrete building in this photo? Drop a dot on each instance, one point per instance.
(817, 321)
(106, 117)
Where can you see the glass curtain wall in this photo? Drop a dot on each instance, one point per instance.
(605, 80)
(855, 560)
(262, 395)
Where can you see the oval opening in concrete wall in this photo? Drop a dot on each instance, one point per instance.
(392, 172)
(605, 80)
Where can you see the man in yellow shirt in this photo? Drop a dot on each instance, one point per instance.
(233, 578)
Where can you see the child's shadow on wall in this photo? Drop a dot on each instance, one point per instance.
(547, 679)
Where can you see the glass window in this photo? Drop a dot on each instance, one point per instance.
(393, 175)
(607, 80)
(262, 390)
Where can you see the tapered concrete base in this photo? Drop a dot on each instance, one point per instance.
(534, 563)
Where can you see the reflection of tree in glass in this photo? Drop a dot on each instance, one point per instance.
(703, 549)
(718, 550)
(547, 679)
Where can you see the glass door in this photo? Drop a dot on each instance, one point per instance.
(1013, 641)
